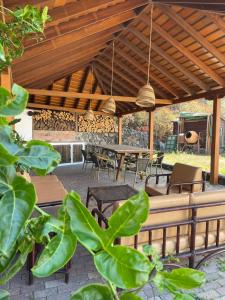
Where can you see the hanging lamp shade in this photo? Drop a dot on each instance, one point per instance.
(109, 106)
(89, 115)
(146, 96)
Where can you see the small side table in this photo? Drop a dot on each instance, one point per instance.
(109, 194)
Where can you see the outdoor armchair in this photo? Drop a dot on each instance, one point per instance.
(139, 167)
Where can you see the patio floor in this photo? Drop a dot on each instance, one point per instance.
(83, 270)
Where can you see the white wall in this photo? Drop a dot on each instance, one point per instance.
(24, 127)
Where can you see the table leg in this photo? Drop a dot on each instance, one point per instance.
(99, 204)
(121, 162)
(88, 197)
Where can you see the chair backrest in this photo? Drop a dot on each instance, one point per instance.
(159, 159)
(84, 153)
(184, 174)
(142, 164)
(94, 159)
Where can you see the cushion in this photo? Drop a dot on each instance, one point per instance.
(160, 189)
(184, 173)
(49, 191)
(44, 178)
(209, 197)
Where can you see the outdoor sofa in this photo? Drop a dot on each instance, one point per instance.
(182, 225)
(184, 178)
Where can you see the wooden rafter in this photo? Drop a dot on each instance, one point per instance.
(169, 59)
(93, 90)
(156, 65)
(185, 52)
(195, 34)
(139, 67)
(217, 19)
(66, 89)
(48, 99)
(82, 84)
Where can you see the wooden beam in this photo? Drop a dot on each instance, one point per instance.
(195, 34)
(66, 89)
(82, 84)
(151, 132)
(93, 90)
(169, 59)
(48, 99)
(120, 130)
(141, 68)
(156, 65)
(218, 20)
(220, 93)
(91, 96)
(192, 57)
(55, 107)
(215, 145)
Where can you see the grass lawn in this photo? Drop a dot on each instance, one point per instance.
(202, 161)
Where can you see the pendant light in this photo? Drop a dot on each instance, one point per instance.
(89, 115)
(110, 105)
(146, 95)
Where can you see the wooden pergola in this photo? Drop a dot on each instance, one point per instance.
(187, 63)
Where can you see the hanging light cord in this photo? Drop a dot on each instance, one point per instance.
(112, 70)
(91, 84)
(150, 42)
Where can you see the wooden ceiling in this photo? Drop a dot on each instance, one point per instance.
(187, 61)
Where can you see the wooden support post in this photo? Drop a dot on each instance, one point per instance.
(151, 132)
(6, 81)
(120, 129)
(215, 145)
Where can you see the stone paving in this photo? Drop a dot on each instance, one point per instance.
(83, 270)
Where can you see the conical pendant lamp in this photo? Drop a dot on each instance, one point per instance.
(89, 115)
(110, 105)
(146, 95)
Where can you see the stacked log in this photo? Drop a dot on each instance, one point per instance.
(101, 124)
(54, 120)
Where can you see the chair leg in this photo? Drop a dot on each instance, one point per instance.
(83, 165)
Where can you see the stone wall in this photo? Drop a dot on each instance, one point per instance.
(130, 137)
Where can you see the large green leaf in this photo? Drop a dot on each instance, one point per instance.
(127, 219)
(4, 295)
(83, 224)
(57, 253)
(6, 158)
(16, 103)
(2, 53)
(4, 96)
(39, 156)
(125, 267)
(129, 296)
(24, 248)
(183, 278)
(7, 140)
(16, 206)
(93, 292)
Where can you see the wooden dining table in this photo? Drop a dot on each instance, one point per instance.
(121, 151)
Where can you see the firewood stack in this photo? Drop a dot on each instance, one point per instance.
(101, 124)
(54, 120)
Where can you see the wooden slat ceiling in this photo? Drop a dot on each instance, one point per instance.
(188, 50)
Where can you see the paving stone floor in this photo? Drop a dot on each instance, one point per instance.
(83, 270)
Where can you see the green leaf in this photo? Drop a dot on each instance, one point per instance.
(127, 220)
(57, 253)
(6, 158)
(17, 103)
(125, 267)
(16, 205)
(40, 156)
(93, 292)
(25, 247)
(2, 53)
(44, 15)
(4, 96)
(3, 121)
(6, 138)
(83, 224)
(180, 296)
(4, 295)
(184, 278)
(129, 296)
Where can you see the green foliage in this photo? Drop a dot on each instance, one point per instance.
(25, 22)
(93, 291)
